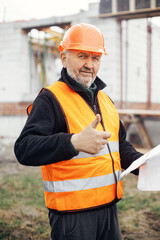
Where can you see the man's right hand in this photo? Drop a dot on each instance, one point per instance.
(90, 140)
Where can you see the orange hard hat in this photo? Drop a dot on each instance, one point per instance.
(85, 37)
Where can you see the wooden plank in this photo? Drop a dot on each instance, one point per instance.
(153, 113)
(137, 13)
(138, 121)
(143, 133)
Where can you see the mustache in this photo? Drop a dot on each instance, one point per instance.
(88, 70)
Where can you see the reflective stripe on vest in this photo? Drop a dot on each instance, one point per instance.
(85, 181)
(81, 184)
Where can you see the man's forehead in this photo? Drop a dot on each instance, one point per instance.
(86, 52)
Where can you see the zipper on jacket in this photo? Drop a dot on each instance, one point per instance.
(95, 109)
(115, 177)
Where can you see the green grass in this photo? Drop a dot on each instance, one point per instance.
(126, 203)
(8, 228)
(140, 202)
(27, 189)
(22, 203)
(26, 217)
(139, 212)
(156, 209)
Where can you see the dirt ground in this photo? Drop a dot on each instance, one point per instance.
(139, 221)
(141, 224)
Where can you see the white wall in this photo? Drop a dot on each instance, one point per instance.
(11, 126)
(155, 68)
(14, 64)
(136, 62)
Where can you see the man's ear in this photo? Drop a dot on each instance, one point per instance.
(63, 59)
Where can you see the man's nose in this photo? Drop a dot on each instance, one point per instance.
(89, 63)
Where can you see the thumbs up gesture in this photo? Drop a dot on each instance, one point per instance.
(90, 140)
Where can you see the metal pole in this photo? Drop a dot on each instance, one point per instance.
(149, 34)
(121, 66)
(126, 59)
(30, 58)
(43, 61)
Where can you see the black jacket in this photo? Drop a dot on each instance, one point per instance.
(44, 138)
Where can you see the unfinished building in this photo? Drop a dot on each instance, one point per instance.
(29, 61)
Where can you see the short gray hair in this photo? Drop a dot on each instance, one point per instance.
(66, 51)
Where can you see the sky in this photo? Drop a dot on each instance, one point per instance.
(13, 10)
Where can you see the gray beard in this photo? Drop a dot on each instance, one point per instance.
(79, 80)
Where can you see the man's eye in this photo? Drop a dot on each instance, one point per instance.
(96, 58)
(81, 56)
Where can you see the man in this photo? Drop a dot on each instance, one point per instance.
(74, 133)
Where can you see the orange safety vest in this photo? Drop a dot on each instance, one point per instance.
(85, 181)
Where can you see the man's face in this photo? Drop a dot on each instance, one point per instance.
(81, 66)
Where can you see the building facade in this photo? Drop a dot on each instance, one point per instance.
(27, 65)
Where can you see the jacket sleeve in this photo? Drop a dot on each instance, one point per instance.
(44, 138)
(128, 153)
